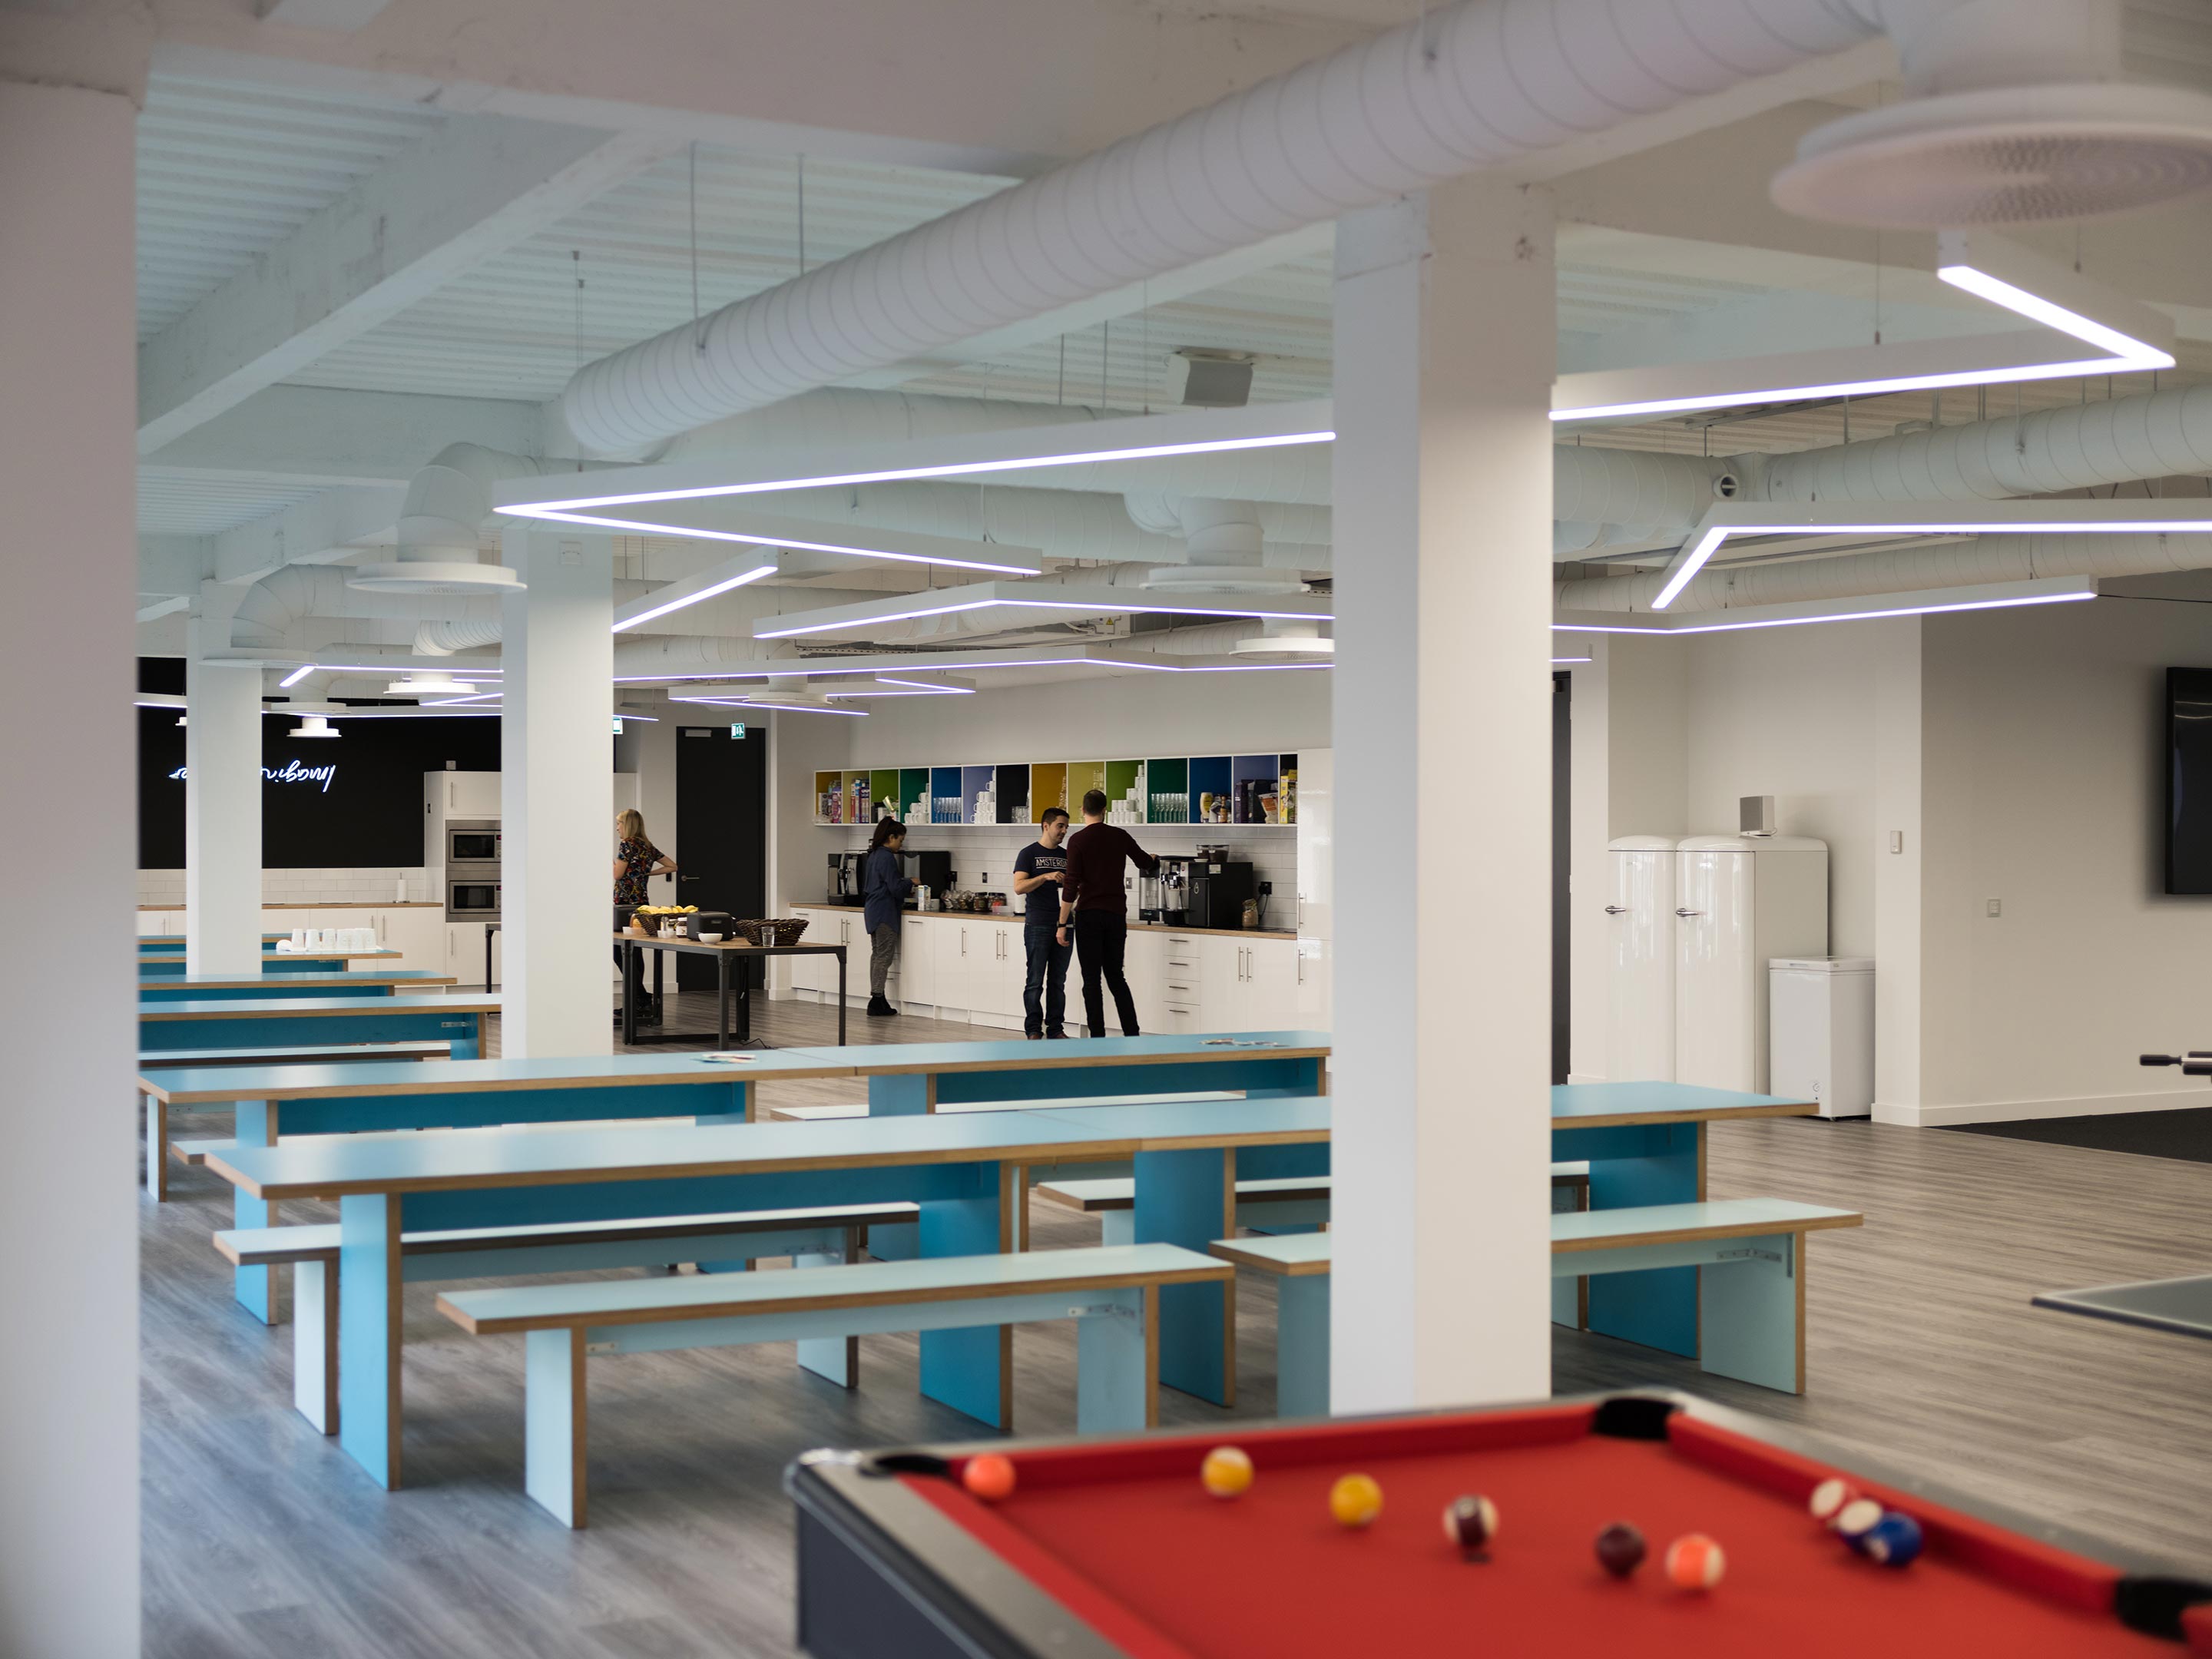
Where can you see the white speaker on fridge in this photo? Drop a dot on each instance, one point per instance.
(1640, 1009)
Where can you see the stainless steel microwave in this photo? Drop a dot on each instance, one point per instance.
(474, 844)
(472, 898)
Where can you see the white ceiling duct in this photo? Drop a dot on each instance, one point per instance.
(1224, 552)
(269, 610)
(1988, 558)
(439, 522)
(442, 639)
(1481, 83)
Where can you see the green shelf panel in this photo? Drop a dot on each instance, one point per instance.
(913, 794)
(1167, 791)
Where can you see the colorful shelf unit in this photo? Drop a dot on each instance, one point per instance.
(1197, 789)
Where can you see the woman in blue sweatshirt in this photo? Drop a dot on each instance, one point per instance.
(883, 888)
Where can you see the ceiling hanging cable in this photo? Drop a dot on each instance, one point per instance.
(1105, 343)
(698, 336)
(802, 215)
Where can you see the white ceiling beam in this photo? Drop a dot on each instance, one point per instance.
(323, 14)
(313, 531)
(294, 436)
(472, 189)
(173, 566)
(1003, 87)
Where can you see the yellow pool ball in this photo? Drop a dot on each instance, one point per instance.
(1227, 1471)
(1355, 1500)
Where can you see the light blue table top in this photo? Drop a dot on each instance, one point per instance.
(304, 1007)
(1594, 1105)
(878, 1059)
(338, 979)
(337, 1164)
(183, 1085)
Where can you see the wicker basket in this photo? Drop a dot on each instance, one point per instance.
(772, 930)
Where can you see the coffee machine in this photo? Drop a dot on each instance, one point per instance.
(1164, 896)
(1217, 889)
(931, 868)
(845, 877)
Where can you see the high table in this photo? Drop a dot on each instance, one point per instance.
(724, 953)
(2183, 1306)
(1645, 1143)
(302, 982)
(1108, 1549)
(955, 1166)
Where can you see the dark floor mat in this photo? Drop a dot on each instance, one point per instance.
(2185, 1134)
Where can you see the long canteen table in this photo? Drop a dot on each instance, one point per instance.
(954, 1165)
(278, 1021)
(1645, 1143)
(270, 982)
(168, 964)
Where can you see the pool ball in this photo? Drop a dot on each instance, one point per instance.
(989, 1477)
(1894, 1540)
(1471, 1521)
(1857, 1519)
(1355, 1500)
(1829, 1498)
(1694, 1562)
(1620, 1549)
(1226, 1473)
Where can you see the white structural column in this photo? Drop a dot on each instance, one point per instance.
(68, 1229)
(222, 805)
(556, 787)
(1442, 488)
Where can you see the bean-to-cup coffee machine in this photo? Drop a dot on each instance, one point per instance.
(1217, 889)
(845, 877)
(1164, 896)
(931, 868)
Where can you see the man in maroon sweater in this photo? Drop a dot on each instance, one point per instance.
(1093, 906)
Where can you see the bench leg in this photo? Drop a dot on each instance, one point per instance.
(1567, 1294)
(1190, 1198)
(1117, 1377)
(835, 1358)
(315, 1344)
(968, 1369)
(157, 1149)
(1302, 1346)
(1117, 1226)
(1753, 1318)
(1658, 1307)
(553, 1453)
(369, 1333)
(904, 1095)
(254, 1287)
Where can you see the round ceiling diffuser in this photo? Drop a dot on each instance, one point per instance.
(2002, 156)
(428, 576)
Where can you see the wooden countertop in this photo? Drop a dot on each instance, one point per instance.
(1014, 918)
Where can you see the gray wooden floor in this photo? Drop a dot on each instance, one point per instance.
(262, 1538)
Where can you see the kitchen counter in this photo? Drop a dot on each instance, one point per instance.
(1016, 916)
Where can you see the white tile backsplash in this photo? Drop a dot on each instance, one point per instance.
(344, 885)
(983, 857)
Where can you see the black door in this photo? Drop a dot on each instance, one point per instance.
(1563, 743)
(721, 833)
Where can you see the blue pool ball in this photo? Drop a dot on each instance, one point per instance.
(1894, 1540)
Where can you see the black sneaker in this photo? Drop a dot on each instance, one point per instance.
(878, 1007)
(1057, 1036)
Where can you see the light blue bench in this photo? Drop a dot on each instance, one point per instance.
(1751, 1296)
(158, 1145)
(1113, 1294)
(808, 1237)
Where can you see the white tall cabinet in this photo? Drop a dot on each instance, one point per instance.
(1640, 1005)
(1739, 901)
(1313, 971)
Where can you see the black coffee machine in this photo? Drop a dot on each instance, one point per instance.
(932, 868)
(1215, 892)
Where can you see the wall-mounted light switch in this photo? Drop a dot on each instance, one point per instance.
(1996, 907)
(1897, 840)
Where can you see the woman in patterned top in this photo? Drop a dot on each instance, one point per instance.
(637, 860)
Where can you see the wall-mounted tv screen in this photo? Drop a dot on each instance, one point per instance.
(2189, 779)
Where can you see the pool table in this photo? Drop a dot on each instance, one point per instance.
(1110, 1547)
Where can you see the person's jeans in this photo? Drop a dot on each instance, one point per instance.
(883, 950)
(1044, 993)
(1103, 936)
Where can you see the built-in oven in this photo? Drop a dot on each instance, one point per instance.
(468, 900)
(476, 842)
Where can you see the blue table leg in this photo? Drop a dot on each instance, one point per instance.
(970, 1368)
(741, 1111)
(254, 1287)
(470, 1046)
(1657, 1308)
(1302, 1346)
(1188, 1198)
(368, 1334)
(906, 1094)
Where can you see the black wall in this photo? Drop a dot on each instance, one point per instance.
(371, 812)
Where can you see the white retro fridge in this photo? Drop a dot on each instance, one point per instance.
(1739, 902)
(1640, 1010)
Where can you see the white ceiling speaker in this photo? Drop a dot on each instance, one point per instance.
(314, 725)
(431, 685)
(426, 576)
(1286, 641)
(2003, 155)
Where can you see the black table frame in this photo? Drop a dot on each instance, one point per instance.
(632, 944)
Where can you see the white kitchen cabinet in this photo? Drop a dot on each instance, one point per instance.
(418, 933)
(1314, 1001)
(464, 952)
(1271, 987)
(916, 972)
(1145, 961)
(470, 795)
(1315, 916)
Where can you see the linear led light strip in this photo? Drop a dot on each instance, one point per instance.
(691, 532)
(1692, 559)
(1184, 609)
(876, 688)
(2002, 603)
(770, 707)
(1965, 258)
(738, 581)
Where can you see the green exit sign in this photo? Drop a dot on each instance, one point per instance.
(738, 730)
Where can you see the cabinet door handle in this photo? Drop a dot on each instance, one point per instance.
(1616, 909)
(1686, 915)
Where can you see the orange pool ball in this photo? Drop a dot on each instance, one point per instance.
(1355, 1500)
(989, 1477)
(1694, 1562)
(1227, 1472)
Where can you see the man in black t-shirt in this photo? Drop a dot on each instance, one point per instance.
(1037, 871)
